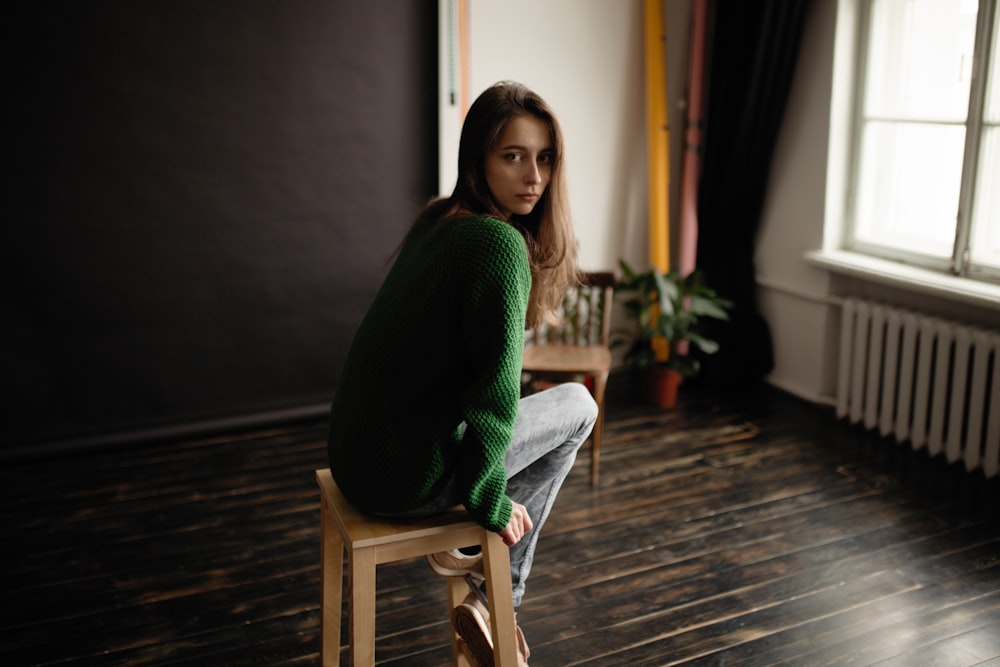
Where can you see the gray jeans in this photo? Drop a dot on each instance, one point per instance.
(549, 429)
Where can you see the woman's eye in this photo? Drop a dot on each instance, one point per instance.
(513, 157)
(545, 158)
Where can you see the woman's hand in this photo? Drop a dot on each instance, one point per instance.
(519, 524)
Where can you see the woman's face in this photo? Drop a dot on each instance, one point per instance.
(518, 169)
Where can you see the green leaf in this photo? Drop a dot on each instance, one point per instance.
(709, 308)
(704, 344)
(627, 270)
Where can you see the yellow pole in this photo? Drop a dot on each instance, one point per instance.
(658, 135)
(658, 142)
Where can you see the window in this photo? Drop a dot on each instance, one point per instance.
(925, 187)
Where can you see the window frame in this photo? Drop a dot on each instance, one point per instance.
(959, 263)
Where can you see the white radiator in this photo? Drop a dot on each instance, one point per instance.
(931, 382)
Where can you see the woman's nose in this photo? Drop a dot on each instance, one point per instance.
(534, 174)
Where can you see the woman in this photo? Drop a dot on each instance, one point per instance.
(427, 413)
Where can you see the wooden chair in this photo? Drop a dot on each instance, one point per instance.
(578, 346)
(371, 541)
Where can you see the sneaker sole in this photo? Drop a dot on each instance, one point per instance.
(472, 628)
(448, 572)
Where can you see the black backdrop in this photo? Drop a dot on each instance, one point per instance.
(205, 195)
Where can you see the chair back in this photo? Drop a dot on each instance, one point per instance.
(585, 314)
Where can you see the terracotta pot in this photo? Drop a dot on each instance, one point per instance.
(660, 386)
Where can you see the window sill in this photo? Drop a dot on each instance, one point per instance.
(902, 276)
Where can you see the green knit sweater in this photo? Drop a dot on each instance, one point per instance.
(440, 345)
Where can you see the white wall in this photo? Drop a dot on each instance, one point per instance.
(585, 58)
(793, 295)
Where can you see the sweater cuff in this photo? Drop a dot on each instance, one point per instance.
(503, 515)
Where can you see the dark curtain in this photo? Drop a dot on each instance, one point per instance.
(753, 50)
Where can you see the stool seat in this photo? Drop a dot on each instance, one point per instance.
(370, 541)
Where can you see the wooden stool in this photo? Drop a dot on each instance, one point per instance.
(371, 541)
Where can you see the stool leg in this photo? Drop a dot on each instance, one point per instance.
(331, 580)
(362, 607)
(496, 562)
(600, 382)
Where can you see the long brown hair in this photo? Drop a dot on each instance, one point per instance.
(548, 229)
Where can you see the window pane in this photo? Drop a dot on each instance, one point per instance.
(985, 240)
(920, 59)
(908, 186)
(992, 108)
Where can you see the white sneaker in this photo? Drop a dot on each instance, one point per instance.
(456, 564)
(471, 621)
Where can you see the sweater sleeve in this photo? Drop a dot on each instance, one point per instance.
(495, 299)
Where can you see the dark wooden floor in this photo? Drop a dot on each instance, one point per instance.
(749, 531)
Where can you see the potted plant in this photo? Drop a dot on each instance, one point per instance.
(665, 310)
